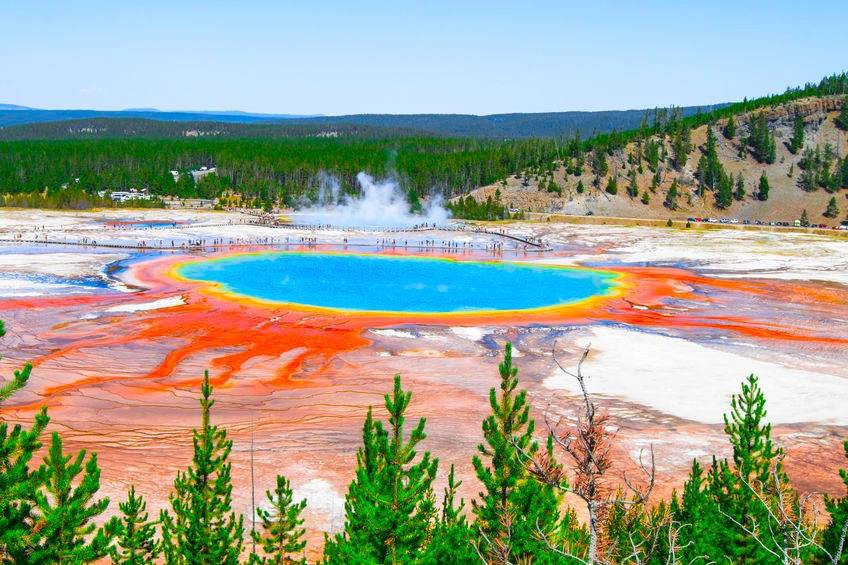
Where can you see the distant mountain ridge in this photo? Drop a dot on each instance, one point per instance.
(143, 128)
(11, 115)
(514, 125)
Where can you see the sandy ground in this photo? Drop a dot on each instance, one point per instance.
(118, 359)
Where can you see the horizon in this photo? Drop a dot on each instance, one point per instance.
(478, 59)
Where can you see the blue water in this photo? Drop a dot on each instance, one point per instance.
(398, 284)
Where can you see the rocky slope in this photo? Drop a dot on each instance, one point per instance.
(787, 199)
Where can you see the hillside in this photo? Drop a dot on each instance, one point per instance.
(120, 128)
(503, 126)
(75, 123)
(537, 190)
(12, 114)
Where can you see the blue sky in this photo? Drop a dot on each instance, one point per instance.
(481, 57)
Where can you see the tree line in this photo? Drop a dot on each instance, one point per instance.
(288, 170)
(278, 170)
(740, 509)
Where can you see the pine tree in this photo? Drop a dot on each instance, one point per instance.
(700, 532)
(201, 528)
(655, 181)
(580, 187)
(701, 174)
(742, 149)
(763, 191)
(636, 534)
(632, 187)
(797, 140)
(835, 538)
(681, 145)
(65, 510)
(599, 165)
(671, 196)
(755, 475)
(612, 185)
(646, 198)
(19, 378)
(832, 208)
(844, 173)
(389, 507)
(761, 140)
(841, 120)
(135, 544)
(805, 219)
(652, 154)
(282, 539)
(729, 130)
(453, 538)
(18, 483)
(724, 195)
(517, 517)
(739, 193)
(710, 170)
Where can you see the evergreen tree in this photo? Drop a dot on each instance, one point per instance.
(841, 120)
(632, 187)
(835, 538)
(612, 185)
(646, 198)
(655, 181)
(805, 219)
(832, 208)
(453, 538)
(18, 483)
(516, 516)
(580, 188)
(389, 508)
(18, 380)
(742, 149)
(135, 544)
(724, 195)
(701, 174)
(763, 189)
(741, 486)
(201, 528)
(283, 538)
(681, 145)
(62, 524)
(635, 534)
(761, 140)
(729, 130)
(600, 167)
(414, 201)
(700, 532)
(844, 173)
(797, 140)
(710, 170)
(652, 154)
(671, 196)
(739, 193)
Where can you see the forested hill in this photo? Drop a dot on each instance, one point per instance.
(503, 126)
(795, 141)
(122, 128)
(69, 124)
(12, 114)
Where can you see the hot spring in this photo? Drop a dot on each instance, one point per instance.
(380, 283)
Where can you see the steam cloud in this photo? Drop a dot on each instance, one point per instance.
(381, 204)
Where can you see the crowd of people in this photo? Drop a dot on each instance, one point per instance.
(505, 241)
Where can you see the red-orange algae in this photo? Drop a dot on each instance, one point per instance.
(236, 330)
